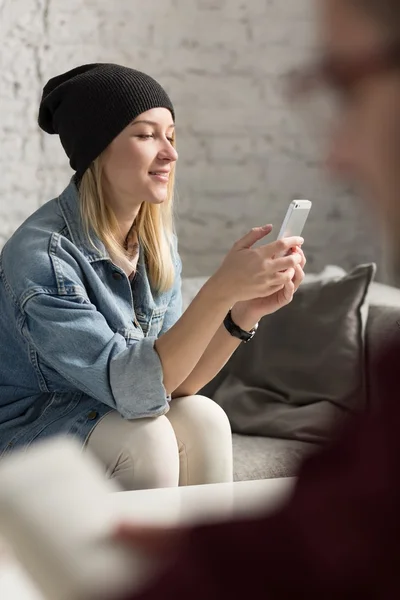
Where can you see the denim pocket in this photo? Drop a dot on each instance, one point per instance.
(55, 409)
(152, 325)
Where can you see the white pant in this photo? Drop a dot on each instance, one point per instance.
(191, 445)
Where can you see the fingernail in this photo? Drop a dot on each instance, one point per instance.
(266, 226)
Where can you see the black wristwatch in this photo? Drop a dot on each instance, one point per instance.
(238, 332)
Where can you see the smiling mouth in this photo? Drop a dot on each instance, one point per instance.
(161, 176)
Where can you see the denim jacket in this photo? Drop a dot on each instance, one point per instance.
(77, 338)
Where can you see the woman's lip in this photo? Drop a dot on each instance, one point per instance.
(161, 177)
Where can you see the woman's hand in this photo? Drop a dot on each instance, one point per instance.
(251, 311)
(249, 273)
(246, 274)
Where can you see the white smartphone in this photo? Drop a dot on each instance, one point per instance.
(295, 219)
(57, 514)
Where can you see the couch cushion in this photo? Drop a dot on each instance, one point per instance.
(191, 286)
(304, 371)
(267, 458)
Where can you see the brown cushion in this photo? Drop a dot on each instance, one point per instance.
(304, 370)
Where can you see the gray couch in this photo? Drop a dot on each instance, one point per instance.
(263, 457)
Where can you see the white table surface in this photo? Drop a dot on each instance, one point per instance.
(165, 507)
(201, 503)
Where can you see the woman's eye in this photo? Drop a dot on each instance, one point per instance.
(148, 136)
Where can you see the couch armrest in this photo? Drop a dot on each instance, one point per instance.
(382, 325)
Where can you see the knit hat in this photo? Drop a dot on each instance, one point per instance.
(90, 105)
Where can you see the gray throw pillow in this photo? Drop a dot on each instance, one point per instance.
(304, 370)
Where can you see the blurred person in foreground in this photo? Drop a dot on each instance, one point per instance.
(339, 536)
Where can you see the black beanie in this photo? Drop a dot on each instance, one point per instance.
(90, 105)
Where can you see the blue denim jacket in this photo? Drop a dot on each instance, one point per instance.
(77, 338)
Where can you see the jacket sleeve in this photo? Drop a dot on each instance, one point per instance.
(74, 339)
(338, 536)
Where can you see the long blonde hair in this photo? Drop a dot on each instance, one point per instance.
(154, 226)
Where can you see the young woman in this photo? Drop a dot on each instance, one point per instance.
(93, 341)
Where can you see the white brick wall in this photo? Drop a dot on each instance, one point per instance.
(243, 154)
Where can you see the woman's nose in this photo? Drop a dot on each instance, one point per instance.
(168, 152)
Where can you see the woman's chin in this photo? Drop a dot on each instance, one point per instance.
(157, 198)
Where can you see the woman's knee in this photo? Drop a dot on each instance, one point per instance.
(202, 413)
(139, 454)
(205, 440)
(152, 449)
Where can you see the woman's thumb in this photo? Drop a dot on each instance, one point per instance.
(253, 236)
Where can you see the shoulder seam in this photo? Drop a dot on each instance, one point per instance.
(75, 291)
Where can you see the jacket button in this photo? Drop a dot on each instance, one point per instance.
(92, 415)
(116, 275)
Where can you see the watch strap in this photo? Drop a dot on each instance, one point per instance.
(236, 331)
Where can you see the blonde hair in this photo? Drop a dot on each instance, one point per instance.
(154, 226)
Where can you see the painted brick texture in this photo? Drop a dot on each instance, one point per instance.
(244, 153)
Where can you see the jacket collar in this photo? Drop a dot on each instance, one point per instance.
(69, 204)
